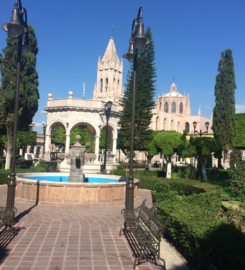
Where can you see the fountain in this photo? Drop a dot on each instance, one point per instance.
(72, 188)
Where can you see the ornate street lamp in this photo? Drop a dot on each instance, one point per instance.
(200, 133)
(108, 114)
(17, 27)
(137, 42)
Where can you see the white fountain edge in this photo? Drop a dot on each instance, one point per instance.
(20, 177)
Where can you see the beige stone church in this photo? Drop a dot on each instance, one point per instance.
(171, 112)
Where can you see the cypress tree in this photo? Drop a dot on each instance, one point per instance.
(224, 124)
(29, 95)
(144, 100)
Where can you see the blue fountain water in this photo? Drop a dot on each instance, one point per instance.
(65, 179)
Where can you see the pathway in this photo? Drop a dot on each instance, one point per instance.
(75, 237)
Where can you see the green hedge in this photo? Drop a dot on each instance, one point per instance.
(195, 226)
(214, 173)
(4, 173)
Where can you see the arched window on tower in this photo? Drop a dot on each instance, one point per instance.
(181, 107)
(106, 84)
(101, 85)
(160, 106)
(187, 127)
(118, 81)
(173, 107)
(166, 107)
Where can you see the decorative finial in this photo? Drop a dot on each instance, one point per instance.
(112, 28)
(173, 80)
(70, 94)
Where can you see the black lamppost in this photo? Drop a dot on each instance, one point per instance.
(44, 131)
(108, 114)
(200, 133)
(17, 28)
(137, 42)
(31, 135)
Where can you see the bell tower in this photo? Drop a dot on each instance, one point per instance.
(109, 76)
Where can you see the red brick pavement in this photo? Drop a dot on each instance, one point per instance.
(62, 237)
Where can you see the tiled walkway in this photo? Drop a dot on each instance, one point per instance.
(76, 237)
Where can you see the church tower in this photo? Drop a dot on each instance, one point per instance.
(109, 76)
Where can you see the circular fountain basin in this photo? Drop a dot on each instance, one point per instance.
(54, 188)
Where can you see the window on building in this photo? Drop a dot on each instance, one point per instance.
(160, 106)
(166, 107)
(181, 107)
(101, 85)
(157, 122)
(173, 107)
(187, 127)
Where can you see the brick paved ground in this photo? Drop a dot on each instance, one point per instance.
(76, 237)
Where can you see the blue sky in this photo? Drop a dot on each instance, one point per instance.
(189, 36)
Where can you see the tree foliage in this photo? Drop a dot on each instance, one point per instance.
(28, 91)
(29, 95)
(58, 136)
(170, 143)
(204, 147)
(144, 103)
(102, 139)
(224, 124)
(240, 126)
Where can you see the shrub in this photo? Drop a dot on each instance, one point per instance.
(4, 173)
(43, 164)
(118, 172)
(188, 172)
(214, 173)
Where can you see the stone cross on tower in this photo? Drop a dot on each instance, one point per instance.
(112, 28)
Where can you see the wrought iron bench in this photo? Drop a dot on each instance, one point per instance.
(206, 264)
(7, 216)
(147, 228)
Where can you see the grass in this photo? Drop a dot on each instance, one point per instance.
(225, 184)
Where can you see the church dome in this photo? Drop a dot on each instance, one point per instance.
(173, 91)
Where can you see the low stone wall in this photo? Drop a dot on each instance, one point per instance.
(65, 193)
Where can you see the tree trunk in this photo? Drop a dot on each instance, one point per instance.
(9, 146)
(169, 167)
(225, 158)
(195, 162)
(204, 173)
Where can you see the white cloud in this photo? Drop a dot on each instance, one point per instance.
(240, 108)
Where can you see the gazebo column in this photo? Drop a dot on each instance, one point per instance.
(114, 148)
(47, 144)
(67, 148)
(92, 143)
(97, 145)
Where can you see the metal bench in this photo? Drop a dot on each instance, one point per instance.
(7, 216)
(147, 228)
